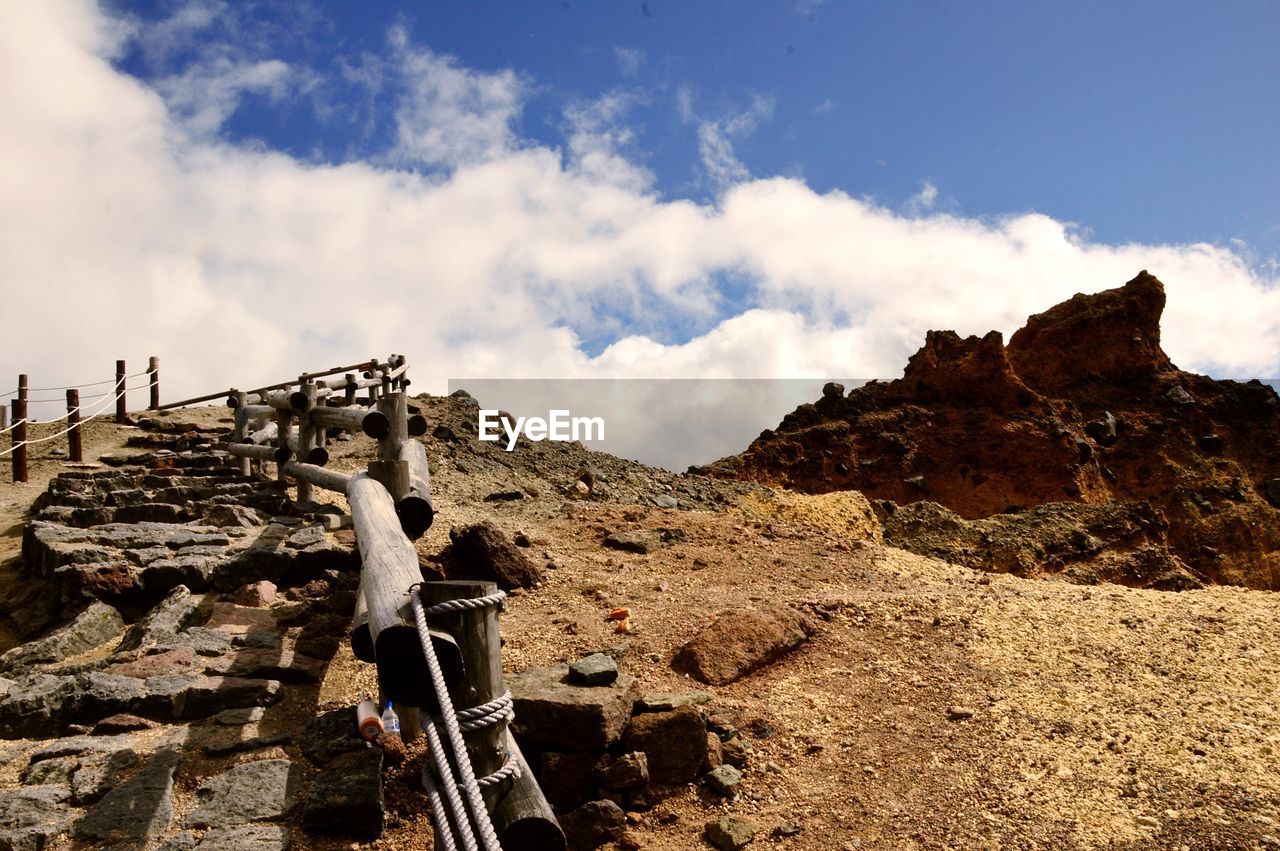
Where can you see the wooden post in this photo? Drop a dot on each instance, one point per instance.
(373, 388)
(372, 422)
(241, 425)
(389, 469)
(153, 367)
(389, 568)
(349, 390)
(522, 817)
(74, 443)
(306, 438)
(122, 405)
(284, 429)
(414, 508)
(19, 432)
(4, 417)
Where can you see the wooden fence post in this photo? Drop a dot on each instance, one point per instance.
(242, 425)
(389, 469)
(153, 367)
(284, 429)
(521, 815)
(74, 442)
(4, 416)
(20, 431)
(122, 406)
(306, 438)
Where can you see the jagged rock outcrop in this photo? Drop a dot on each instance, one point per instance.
(1082, 406)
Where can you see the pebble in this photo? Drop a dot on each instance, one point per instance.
(959, 713)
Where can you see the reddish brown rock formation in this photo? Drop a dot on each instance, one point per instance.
(1082, 406)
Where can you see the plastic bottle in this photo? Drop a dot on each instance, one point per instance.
(367, 720)
(390, 721)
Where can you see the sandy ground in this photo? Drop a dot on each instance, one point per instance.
(1097, 717)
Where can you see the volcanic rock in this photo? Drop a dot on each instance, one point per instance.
(739, 641)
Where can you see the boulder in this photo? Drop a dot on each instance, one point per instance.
(165, 620)
(593, 824)
(346, 798)
(741, 640)
(554, 714)
(30, 817)
(265, 790)
(484, 552)
(674, 743)
(37, 706)
(137, 811)
(96, 625)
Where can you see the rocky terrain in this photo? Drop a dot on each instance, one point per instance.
(1080, 423)
(697, 662)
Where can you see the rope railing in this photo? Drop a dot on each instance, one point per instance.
(97, 410)
(16, 390)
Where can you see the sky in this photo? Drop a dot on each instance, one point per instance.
(622, 189)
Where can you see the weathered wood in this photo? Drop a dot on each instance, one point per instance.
(230, 394)
(349, 389)
(415, 509)
(122, 405)
(410, 723)
(372, 422)
(312, 474)
(361, 638)
(284, 430)
(19, 444)
(388, 469)
(317, 455)
(476, 631)
(306, 439)
(363, 365)
(241, 427)
(4, 416)
(417, 425)
(389, 569)
(255, 413)
(153, 370)
(300, 401)
(522, 817)
(259, 453)
(75, 444)
(266, 434)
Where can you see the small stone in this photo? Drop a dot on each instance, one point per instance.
(740, 641)
(257, 595)
(675, 743)
(1148, 821)
(642, 541)
(715, 752)
(240, 717)
(786, 831)
(723, 779)
(730, 833)
(664, 500)
(121, 723)
(627, 773)
(594, 823)
(554, 714)
(597, 669)
(959, 713)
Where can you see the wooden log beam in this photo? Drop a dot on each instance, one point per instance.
(415, 509)
(241, 427)
(389, 568)
(371, 422)
(284, 430)
(259, 453)
(522, 817)
(266, 434)
(305, 441)
(330, 480)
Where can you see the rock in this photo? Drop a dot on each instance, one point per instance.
(205, 696)
(198, 639)
(723, 780)
(265, 790)
(483, 552)
(254, 743)
(30, 817)
(735, 750)
(121, 723)
(666, 701)
(232, 619)
(959, 713)
(674, 743)
(664, 500)
(246, 837)
(741, 640)
(569, 779)
(257, 595)
(184, 841)
(715, 752)
(138, 810)
(37, 706)
(179, 661)
(730, 833)
(97, 774)
(240, 516)
(1273, 491)
(627, 773)
(597, 669)
(504, 496)
(554, 714)
(346, 796)
(1210, 442)
(5, 685)
(593, 824)
(240, 717)
(1176, 395)
(165, 620)
(642, 541)
(283, 665)
(95, 625)
(330, 735)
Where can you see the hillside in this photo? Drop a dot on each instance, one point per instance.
(1155, 476)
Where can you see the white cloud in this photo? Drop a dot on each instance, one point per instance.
(208, 93)
(826, 105)
(630, 60)
(924, 200)
(121, 235)
(715, 138)
(452, 115)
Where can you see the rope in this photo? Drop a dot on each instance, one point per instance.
(97, 409)
(73, 386)
(450, 722)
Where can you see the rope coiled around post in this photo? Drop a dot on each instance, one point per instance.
(495, 711)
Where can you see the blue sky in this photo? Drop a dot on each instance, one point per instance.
(1149, 122)
(795, 189)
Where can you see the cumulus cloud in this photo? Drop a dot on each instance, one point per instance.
(716, 137)
(477, 252)
(630, 60)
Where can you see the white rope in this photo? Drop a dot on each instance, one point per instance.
(74, 386)
(98, 410)
(449, 720)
